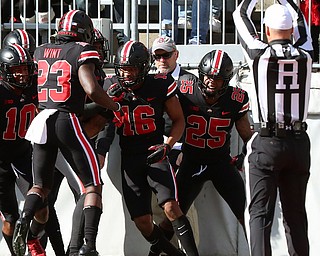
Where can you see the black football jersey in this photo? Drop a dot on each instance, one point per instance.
(208, 128)
(58, 82)
(16, 114)
(144, 122)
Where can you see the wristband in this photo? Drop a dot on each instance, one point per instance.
(119, 107)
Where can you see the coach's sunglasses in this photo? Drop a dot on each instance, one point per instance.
(165, 56)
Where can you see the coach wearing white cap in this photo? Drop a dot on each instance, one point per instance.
(279, 151)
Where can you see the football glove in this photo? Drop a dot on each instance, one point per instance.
(160, 152)
(119, 117)
(237, 161)
(116, 92)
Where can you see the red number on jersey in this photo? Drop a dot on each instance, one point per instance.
(200, 127)
(141, 123)
(237, 94)
(26, 115)
(186, 86)
(63, 90)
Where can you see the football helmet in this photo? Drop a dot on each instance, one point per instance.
(12, 57)
(104, 52)
(218, 65)
(75, 25)
(132, 54)
(21, 37)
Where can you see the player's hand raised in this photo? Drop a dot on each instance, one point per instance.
(160, 151)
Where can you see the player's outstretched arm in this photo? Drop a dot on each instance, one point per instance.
(93, 90)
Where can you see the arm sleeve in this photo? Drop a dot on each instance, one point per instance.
(247, 33)
(301, 33)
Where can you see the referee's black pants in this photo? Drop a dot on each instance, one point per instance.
(278, 164)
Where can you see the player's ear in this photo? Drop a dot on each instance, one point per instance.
(267, 31)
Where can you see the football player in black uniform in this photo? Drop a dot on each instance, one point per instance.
(52, 227)
(144, 164)
(66, 75)
(211, 108)
(18, 106)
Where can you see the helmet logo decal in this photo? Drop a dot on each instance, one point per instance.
(21, 52)
(24, 38)
(216, 62)
(67, 23)
(125, 52)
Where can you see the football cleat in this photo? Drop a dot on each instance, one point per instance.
(35, 248)
(86, 251)
(19, 236)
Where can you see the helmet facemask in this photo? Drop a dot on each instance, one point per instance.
(19, 75)
(102, 46)
(16, 66)
(209, 92)
(215, 65)
(132, 54)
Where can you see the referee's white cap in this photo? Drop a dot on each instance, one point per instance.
(277, 16)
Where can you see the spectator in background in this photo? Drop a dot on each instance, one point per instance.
(6, 12)
(118, 8)
(166, 17)
(204, 12)
(315, 23)
(30, 7)
(205, 17)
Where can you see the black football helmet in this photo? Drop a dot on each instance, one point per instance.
(216, 64)
(21, 37)
(132, 54)
(13, 56)
(75, 25)
(105, 51)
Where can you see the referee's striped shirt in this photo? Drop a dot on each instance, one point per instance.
(281, 70)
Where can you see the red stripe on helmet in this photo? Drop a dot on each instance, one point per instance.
(216, 62)
(24, 38)
(21, 52)
(67, 23)
(125, 52)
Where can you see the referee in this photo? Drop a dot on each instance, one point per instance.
(279, 152)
